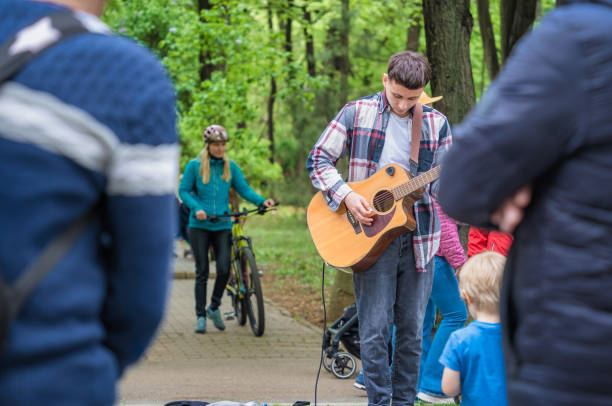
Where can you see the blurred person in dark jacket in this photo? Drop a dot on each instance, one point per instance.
(537, 153)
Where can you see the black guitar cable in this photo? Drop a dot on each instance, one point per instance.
(323, 338)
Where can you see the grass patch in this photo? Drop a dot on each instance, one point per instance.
(282, 245)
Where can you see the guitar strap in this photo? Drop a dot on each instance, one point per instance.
(415, 140)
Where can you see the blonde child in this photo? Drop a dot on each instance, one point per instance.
(473, 357)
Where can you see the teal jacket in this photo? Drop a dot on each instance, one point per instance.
(213, 197)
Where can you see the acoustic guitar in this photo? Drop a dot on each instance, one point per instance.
(343, 242)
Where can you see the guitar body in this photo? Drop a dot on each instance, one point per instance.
(344, 242)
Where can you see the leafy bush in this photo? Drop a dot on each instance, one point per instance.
(282, 245)
(228, 41)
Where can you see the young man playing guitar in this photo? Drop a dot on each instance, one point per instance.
(374, 131)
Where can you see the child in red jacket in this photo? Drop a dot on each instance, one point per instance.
(481, 239)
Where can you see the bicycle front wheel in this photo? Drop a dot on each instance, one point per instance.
(240, 309)
(254, 293)
(238, 297)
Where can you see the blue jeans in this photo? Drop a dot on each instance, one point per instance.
(445, 297)
(392, 292)
(392, 344)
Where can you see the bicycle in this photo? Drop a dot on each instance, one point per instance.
(244, 285)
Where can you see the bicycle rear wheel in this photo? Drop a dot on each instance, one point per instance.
(254, 294)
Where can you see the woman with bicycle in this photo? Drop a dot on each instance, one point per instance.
(205, 190)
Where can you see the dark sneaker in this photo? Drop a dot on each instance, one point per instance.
(215, 316)
(201, 326)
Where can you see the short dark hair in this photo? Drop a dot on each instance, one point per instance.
(409, 69)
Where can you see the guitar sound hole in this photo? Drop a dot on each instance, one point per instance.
(383, 201)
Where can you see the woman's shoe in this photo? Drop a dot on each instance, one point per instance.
(215, 316)
(201, 325)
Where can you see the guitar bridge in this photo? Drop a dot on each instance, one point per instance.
(353, 221)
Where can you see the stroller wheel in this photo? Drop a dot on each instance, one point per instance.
(327, 361)
(343, 365)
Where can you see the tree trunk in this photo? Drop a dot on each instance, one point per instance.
(206, 68)
(448, 25)
(414, 31)
(271, 101)
(463, 231)
(340, 295)
(344, 66)
(308, 39)
(517, 16)
(272, 95)
(341, 291)
(286, 25)
(488, 38)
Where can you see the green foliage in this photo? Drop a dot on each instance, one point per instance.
(545, 7)
(170, 29)
(283, 245)
(228, 39)
(222, 60)
(480, 72)
(379, 29)
(479, 69)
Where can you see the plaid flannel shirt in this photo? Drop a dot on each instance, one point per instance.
(359, 132)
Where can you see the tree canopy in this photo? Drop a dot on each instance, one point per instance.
(274, 72)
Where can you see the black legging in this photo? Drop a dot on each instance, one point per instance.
(201, 240)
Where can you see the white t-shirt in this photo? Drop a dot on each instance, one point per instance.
(397, 142)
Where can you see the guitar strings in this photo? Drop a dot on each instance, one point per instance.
(381, 199)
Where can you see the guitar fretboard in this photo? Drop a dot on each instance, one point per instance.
(416, 183)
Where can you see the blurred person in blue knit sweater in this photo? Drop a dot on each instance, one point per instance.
(90, 121)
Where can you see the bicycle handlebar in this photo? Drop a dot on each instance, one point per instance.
(244, 212)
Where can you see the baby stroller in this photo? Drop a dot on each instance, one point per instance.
(345, 330)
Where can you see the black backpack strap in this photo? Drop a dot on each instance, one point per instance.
(36, 38)
(13, 296)
(52, 253)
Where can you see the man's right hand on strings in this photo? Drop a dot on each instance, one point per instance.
(360, 208)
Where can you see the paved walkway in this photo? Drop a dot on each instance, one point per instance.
(278, 368)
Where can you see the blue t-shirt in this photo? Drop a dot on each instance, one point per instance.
(476, 352)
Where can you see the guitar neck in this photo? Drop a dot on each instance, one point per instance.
(416, 183)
